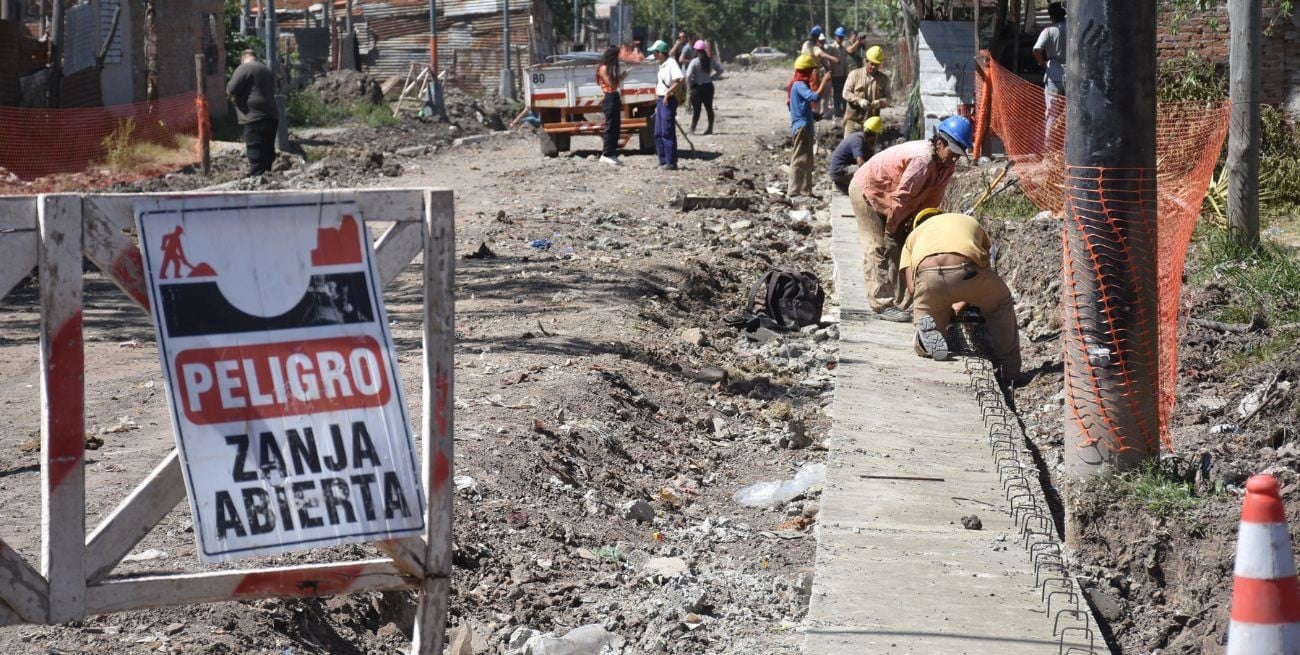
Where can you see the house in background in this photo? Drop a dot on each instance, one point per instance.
(393, 34)
(114, 51)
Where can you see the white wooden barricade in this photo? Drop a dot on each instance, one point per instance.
(51, 233)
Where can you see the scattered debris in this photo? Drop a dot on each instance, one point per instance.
(776, 492)
(972, 522)
(483, 252)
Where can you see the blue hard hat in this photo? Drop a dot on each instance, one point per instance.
(959, 129)
(841, 32)
(817, 31)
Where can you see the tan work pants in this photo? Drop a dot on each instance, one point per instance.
(938, 288)
(801, 163)
(880, 252)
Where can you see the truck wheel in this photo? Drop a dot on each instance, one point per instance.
(547, 141)
(552, 144)
(646, 139)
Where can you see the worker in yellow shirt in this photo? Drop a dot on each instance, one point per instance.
(945, 262)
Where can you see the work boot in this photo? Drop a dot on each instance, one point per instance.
(895, 315)
(932, 340)
(710, 130)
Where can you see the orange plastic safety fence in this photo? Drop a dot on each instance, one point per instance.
(40, 143)
(1110, 345)
(1189, 138)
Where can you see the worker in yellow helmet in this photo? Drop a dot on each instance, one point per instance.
(853, 151)
(802, 96)
(866, 91)
(945, 262)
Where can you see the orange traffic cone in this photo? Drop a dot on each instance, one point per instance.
(1265, 592)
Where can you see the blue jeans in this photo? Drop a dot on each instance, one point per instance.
(666, 130)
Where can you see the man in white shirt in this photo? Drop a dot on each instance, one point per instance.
(1049, 52)
(667, 96)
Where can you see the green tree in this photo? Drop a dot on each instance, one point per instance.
(740, 25)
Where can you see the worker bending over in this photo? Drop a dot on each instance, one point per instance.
(853, 151)
(945, 262)
(887, 193)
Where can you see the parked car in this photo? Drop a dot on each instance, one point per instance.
(761, 53)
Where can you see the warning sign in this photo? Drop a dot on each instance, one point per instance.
(280, 372)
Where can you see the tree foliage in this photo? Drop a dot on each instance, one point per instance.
(740, 25)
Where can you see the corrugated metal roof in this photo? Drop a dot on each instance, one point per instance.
(445, 7)
(472, 51)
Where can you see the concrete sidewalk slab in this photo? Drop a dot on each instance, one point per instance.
(896, 571)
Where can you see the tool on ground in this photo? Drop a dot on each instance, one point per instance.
(1265, 592)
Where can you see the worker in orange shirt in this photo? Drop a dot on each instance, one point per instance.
(886, 194)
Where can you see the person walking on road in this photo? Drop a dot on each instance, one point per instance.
(802, 98)
(610, 78)
(945, 262)
(866, 91)
(700, 73)
(887, 193)
(669, 89)
(839, 69)
(854, 151)
(252, 89)
(1049, 52)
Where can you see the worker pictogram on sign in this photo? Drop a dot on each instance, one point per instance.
(281, 375)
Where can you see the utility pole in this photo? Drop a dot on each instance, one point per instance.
(1243, 127)
(1109, 290)
(245, 17)
(674, 34)
(576, 25)
(273, 62)
(827, 10)
(507, 89)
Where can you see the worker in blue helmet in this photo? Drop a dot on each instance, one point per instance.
(816, 46)
(886, 194)
(839, 68)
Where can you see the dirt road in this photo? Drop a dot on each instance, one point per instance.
(599, 441)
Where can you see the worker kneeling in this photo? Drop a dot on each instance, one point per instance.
(945, 262)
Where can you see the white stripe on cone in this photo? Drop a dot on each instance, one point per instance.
(1263, 552)
(1254, 639)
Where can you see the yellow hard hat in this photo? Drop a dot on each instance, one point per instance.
(874, 125)
(805, 62)
(924, 214)
(876, 55)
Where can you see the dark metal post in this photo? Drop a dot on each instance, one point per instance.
(507, 89)
(54, 79)
(435, 100)
(576, 25)
(1243, 129)
(273, 62)
(1110, 290)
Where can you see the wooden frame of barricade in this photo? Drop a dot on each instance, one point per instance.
(52, 233)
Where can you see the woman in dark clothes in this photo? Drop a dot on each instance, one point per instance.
(700, 73)
(610, 78)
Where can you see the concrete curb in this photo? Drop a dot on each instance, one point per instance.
(896, 571)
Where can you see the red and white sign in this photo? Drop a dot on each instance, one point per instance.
(281, 374)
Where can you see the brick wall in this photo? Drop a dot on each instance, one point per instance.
(187, 28)
(1206, 33)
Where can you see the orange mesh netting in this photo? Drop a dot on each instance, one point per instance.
(101, 145)
(1189, 138)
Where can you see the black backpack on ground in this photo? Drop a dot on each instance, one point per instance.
(792, 299)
